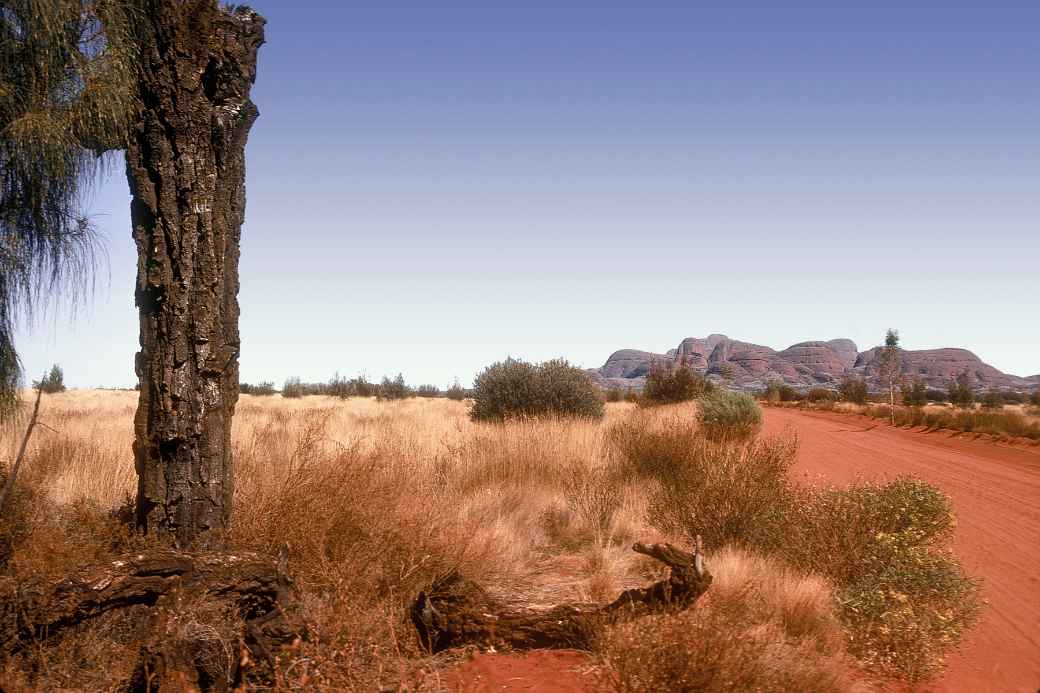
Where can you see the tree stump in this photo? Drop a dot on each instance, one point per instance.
(455, 611)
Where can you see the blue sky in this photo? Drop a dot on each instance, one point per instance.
(434, 186)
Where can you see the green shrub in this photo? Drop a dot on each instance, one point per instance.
(724, 414)
(427, 391)
(914, 394)
(821, 394)
(853, 390)
(778, 391)
(993, 399)
(903, 599)
(667, 385)
(614, 394)
(261, 389)
(394, 389)
(518, 389)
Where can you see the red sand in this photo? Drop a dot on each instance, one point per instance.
(995, 490)
(548, 671)
(996, 493)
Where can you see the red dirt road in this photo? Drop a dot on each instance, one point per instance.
(995, 490)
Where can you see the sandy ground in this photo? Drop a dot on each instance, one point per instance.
(995, 490)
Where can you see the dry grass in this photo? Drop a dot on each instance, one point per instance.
(761, 627)
(375, 499)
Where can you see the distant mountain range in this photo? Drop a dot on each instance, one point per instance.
(804, 365)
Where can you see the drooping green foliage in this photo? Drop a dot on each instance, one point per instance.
(53, 382)
(67, 72)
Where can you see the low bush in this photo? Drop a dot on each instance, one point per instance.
(518, 389)
(724, 414)
(902, 597)
(993, 399)
(427, 391)
(261, 389)
(821, 394)
(667, 385)
(394, 389)
(853, 390)
(960, 393)
(778, 391)
(914, 394)
(614, 394)
(456, 392)
(1034, 398)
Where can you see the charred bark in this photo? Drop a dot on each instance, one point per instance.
(177, 650)
(456, 611)
(186, 167)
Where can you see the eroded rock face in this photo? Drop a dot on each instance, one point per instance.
(807, 364)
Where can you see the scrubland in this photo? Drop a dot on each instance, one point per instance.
(815, 589)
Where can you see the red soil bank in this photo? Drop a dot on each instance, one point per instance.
(544, 671)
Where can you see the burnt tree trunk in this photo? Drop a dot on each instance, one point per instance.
(186, 168)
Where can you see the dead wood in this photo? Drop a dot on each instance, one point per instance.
(179, 650)
(455, 611)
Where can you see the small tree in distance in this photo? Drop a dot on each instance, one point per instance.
(53, 382)
(456, 391)
(890, 366)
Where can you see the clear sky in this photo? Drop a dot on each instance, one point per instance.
(434, 186)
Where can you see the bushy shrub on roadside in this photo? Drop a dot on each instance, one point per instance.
(914, 394)
(724, 414)
(901, 594)
(518, 389)
(853, 390)
(778, 391)
(935, 395)
(667, 385)
(903, 598)
(821, 394)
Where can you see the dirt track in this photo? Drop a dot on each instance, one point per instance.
(995, 489)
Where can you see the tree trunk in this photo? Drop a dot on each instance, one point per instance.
(186, 168)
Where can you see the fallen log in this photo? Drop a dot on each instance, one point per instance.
(455, 611)
(245, 588)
